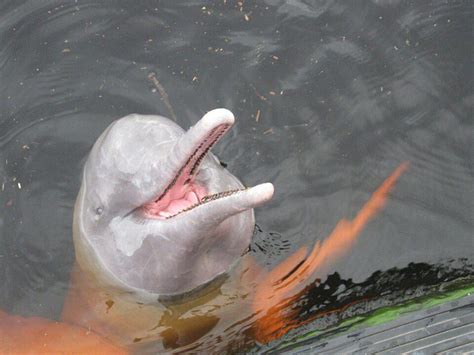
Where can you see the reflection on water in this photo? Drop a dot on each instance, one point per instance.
(330, 97)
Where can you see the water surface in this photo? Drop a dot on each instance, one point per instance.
(330, 96)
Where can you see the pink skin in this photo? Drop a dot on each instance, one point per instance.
(165, 213)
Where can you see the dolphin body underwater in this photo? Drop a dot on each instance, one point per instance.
(161, 232)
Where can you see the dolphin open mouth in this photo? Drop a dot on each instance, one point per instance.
(184, 193)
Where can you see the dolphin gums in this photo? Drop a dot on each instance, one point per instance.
(157, 215)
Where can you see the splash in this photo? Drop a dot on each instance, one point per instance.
(275, 295)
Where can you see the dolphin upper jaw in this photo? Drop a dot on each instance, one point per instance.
(130, 236)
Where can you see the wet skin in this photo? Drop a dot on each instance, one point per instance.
(157, 215)
(161, 230)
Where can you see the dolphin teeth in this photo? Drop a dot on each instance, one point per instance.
(220, 195)
(206, 199)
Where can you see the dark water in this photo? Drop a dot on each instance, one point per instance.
(330, 96)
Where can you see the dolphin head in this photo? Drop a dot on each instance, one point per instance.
(157, 214)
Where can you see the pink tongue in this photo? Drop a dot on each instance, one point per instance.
(192, 197)
(178, 199)
(178, 205)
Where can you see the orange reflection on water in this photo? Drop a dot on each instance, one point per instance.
(280, 287)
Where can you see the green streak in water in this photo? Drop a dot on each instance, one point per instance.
(387, 314)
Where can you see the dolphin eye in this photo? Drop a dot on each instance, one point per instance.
(99, 211)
